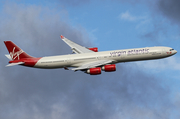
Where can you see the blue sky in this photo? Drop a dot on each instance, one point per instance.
(147, 89)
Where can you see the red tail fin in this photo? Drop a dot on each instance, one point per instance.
(15, 52)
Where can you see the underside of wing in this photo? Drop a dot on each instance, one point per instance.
(93, 64)
(76, 48)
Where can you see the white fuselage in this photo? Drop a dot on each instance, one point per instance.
(126, 55)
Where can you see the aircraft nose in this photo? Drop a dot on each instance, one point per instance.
(175, 51)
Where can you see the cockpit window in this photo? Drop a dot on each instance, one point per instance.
(171, 49)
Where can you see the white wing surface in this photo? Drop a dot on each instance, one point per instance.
(93, 64)
(76, 48)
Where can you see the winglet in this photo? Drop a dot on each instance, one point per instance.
(62, 37)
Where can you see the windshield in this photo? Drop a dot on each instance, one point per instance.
(171, 49)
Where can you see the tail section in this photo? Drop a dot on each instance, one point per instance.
(15, 52)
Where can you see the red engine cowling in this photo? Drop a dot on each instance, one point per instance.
(94, 71)
(109, 68)
(95, 49)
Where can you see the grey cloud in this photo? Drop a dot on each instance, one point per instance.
(157, 34)
(38, 93)
(170, 9)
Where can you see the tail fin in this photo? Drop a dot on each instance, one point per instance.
(15, 52)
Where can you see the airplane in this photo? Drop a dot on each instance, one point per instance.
(88, 60)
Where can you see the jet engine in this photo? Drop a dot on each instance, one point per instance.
(109, 68)
(95, 49)
(94, 71)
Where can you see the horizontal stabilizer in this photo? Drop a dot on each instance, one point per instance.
(8, 56)
(13, 64)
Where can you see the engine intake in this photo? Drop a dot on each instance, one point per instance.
(109, 68)
(94, 71)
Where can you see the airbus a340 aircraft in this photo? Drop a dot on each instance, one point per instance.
(88, 60)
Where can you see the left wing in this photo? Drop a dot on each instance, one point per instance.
(94, 64)
(78, 49)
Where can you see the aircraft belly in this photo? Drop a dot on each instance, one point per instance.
(55, 64)
(48, 64)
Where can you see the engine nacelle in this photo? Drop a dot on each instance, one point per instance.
(109, 68)
(95, 49)
(94, 71)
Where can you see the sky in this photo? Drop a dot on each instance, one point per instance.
(137, 90)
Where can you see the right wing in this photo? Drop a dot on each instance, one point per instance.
(78, 49)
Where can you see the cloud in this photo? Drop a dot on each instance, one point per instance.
(147, 27)
(154, 31)
(127, 16)
(30, 93)
(170, 9)
(161, 12)
(171, 63)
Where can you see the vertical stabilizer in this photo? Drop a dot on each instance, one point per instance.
(15, 52)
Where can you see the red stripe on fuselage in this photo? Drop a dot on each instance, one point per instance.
(30, 62)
